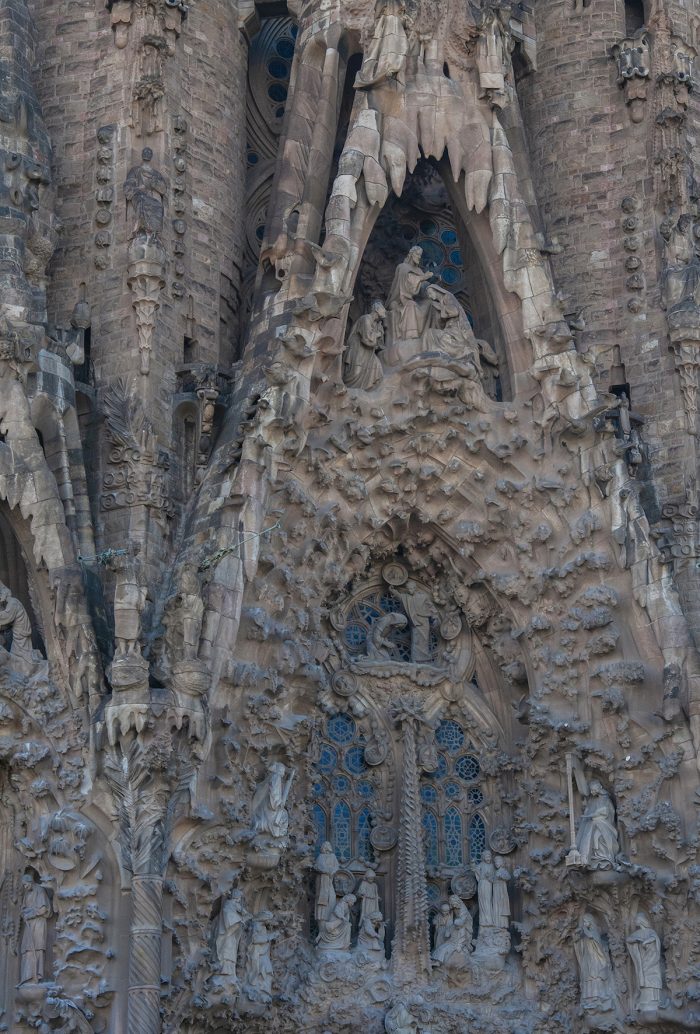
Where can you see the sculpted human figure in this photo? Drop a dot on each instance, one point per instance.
(408, 310)
(456, 934)
(258, 970)
(371, 936)
(645, 949)
(270, 814)
(14, 616)
(420, 608)
(442, 926)
(379, 645)
(368, 893)
(485, 872)
(326, 866)
(145, 189)
(597, 841)
(129, 601)
(232, 919)
(399, 1020)
(385, 56)
(35, 913)
(362, 368)
(335, 933)
(501, 901)
(595, 968)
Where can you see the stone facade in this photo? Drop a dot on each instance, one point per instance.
(349, 596)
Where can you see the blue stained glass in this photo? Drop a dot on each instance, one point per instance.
(355, 760)
(456, 257)
(453, 837)
(285, 48)
(477, 838)
(428, 227)
(364, 828)
(449, 735)
(430, 837)
(278, 69)
(319, 790)
(341, 784)
(441, 770)
(391, 605)
(328, 760)
(428, 794)
(468, 768)
(450, 275)
(319, 820)
(355, 636)
(452, 789)
(279, 112)
(341, 729)
(434, 893)
(293, 31)
(475, 796)
(341, 832)
(260, 232)
(448, 237)
(365, 789)
(277, 92)
(252, 158)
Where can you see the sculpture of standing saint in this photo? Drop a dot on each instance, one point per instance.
(129, 601)
(326, 866)
(501, 902)
(270, 814)
(36, 909)
(485, 872)
(361, 363)
(371, 936)
(420, 608)
(385, 56)
(144, 189)
(368, 893)
(408, 311)
(232, 919)
(645, 949)
(595, 968)
(597, 840)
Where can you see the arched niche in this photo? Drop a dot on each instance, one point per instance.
(185, 448)
(14, 574)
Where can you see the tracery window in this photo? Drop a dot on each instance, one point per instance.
(344, 790)
(454, 831)
(367, 610)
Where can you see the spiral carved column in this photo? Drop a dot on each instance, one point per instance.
(144, 954)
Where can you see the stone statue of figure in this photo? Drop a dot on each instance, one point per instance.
(501, 901)
(191, 606)
(258, 970)
(645, 949)
(399, 1020)
(597, 840)
(454, 930)
(408, 310)
(145, 189)
(385, 55)
(326, 866)
(450, 331)
(335, 932)
(485, 872)
(671, 709)
(36, 909)
(14, 616)
(232, 919)
(595, 968)
(680, 280)
(270, 814)
(129, 601)
(491, 56)
(371, 936)
(361, 363)
(420, 608)
(368, 893)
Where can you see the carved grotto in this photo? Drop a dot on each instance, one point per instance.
(349, 607)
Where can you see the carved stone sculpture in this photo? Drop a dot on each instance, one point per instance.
(385, 56)
(485, 872)
(597, 839)
(368, 893)
(371, 936)
(595, 968)
(399, 1020)
(326, 866)
(645, 949)
(363, 368)
(232, 919)
(145, 190)
(270, 815)
(14, 616)
(36, 910)
(453, 931)
(335, 932)
(129, 601)
(258, 969)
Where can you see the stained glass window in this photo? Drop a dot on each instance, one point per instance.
(453, 831)
(430, 832)
(346, 782)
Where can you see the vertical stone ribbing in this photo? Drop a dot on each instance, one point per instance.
(144, 954)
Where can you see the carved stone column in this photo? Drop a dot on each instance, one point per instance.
(684, 331)
(411, 947)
